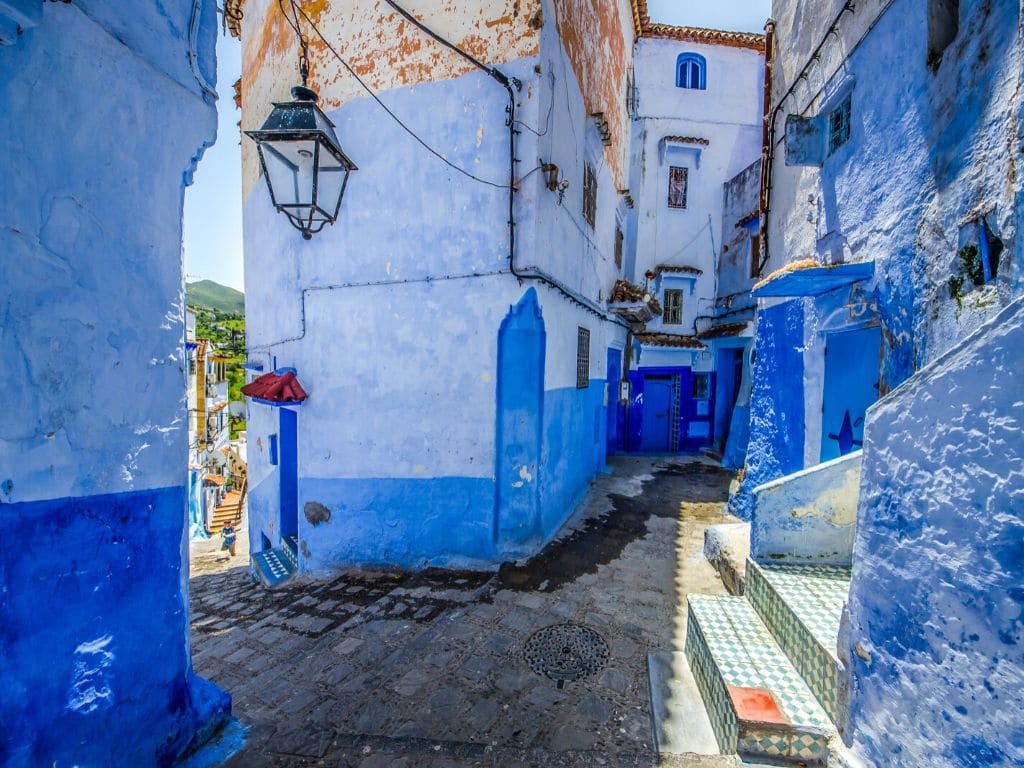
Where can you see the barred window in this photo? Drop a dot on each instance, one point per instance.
(673, 307)
(839, 125)
(589, 194)
(677, 187)
(619, 239)
(582, 358)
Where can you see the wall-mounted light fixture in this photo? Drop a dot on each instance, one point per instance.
(305, 167)
(302, 160)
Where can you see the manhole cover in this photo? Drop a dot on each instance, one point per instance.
(566, 652)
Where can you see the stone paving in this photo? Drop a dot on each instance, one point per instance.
(427, 669)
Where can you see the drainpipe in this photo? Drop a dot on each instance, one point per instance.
(766, 149)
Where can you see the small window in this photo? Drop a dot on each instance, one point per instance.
(839, 125)
(582, 358)
(272, 450)
(701, 386)
(755, 255)
(677, 178)
(619, 239)
(673, 314)
(691, 71)
(589, 194)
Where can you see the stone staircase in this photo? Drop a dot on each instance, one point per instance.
(766, 664)
(277, 565)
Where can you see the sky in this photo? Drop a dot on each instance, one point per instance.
(213, 204)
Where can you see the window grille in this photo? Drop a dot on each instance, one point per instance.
(619, 239)
(839, 125)
(589, 194)
(582, 358)
(673, 313)
(677, 181)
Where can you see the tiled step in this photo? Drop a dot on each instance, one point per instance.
(272, 566)
(802, 606)
(758, 703)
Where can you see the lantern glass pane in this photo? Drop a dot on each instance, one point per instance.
(290, 171)
(330, 183)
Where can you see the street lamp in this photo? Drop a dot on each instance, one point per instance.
(305, 168)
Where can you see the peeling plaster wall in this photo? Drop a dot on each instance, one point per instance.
(809, 516)
(933, 637)
(102, 120)
(383, 49)
(929, 151)
(598, 38)
(392, 316)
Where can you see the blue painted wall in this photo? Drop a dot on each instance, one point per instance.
(575, 424)
(405, 522)
(105, 109)
(95, 634)
(776, 401)
(934, 647)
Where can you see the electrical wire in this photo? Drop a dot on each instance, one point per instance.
(193, 55)
(391, 114)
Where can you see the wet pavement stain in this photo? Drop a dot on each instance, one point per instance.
(379, 668)
(602, 539)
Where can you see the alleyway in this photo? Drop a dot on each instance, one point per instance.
(377, 669)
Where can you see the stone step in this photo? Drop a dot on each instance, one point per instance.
(290, 549)
(758, 704)
(681, 724)
(272, 566)
(802, 606)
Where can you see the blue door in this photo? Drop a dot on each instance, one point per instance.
(851, 385)
(657, 414)
(616, 412)
(288, 471)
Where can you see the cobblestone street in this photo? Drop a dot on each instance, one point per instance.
(390, 669)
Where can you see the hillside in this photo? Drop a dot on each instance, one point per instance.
(207, 293)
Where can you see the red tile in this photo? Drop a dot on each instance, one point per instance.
(756, 705)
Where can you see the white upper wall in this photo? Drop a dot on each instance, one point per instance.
(714, 134)
(734, 84)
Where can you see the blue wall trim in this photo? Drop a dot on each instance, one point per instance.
(520, 394)
(94, 639)
(448, 521)
(403, 522)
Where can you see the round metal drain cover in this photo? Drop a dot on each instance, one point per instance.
(566, 652)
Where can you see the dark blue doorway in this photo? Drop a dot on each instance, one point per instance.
(656, 425)
(851, 385)
(616, 412)
(288, 471)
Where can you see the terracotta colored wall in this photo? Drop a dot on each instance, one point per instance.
(384, 49)
(598, 36)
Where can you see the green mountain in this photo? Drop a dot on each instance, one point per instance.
(206, 293)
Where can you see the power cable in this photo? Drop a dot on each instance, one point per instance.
(391, 114)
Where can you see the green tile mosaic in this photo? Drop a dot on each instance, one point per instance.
(802, 606)
(728, 644)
